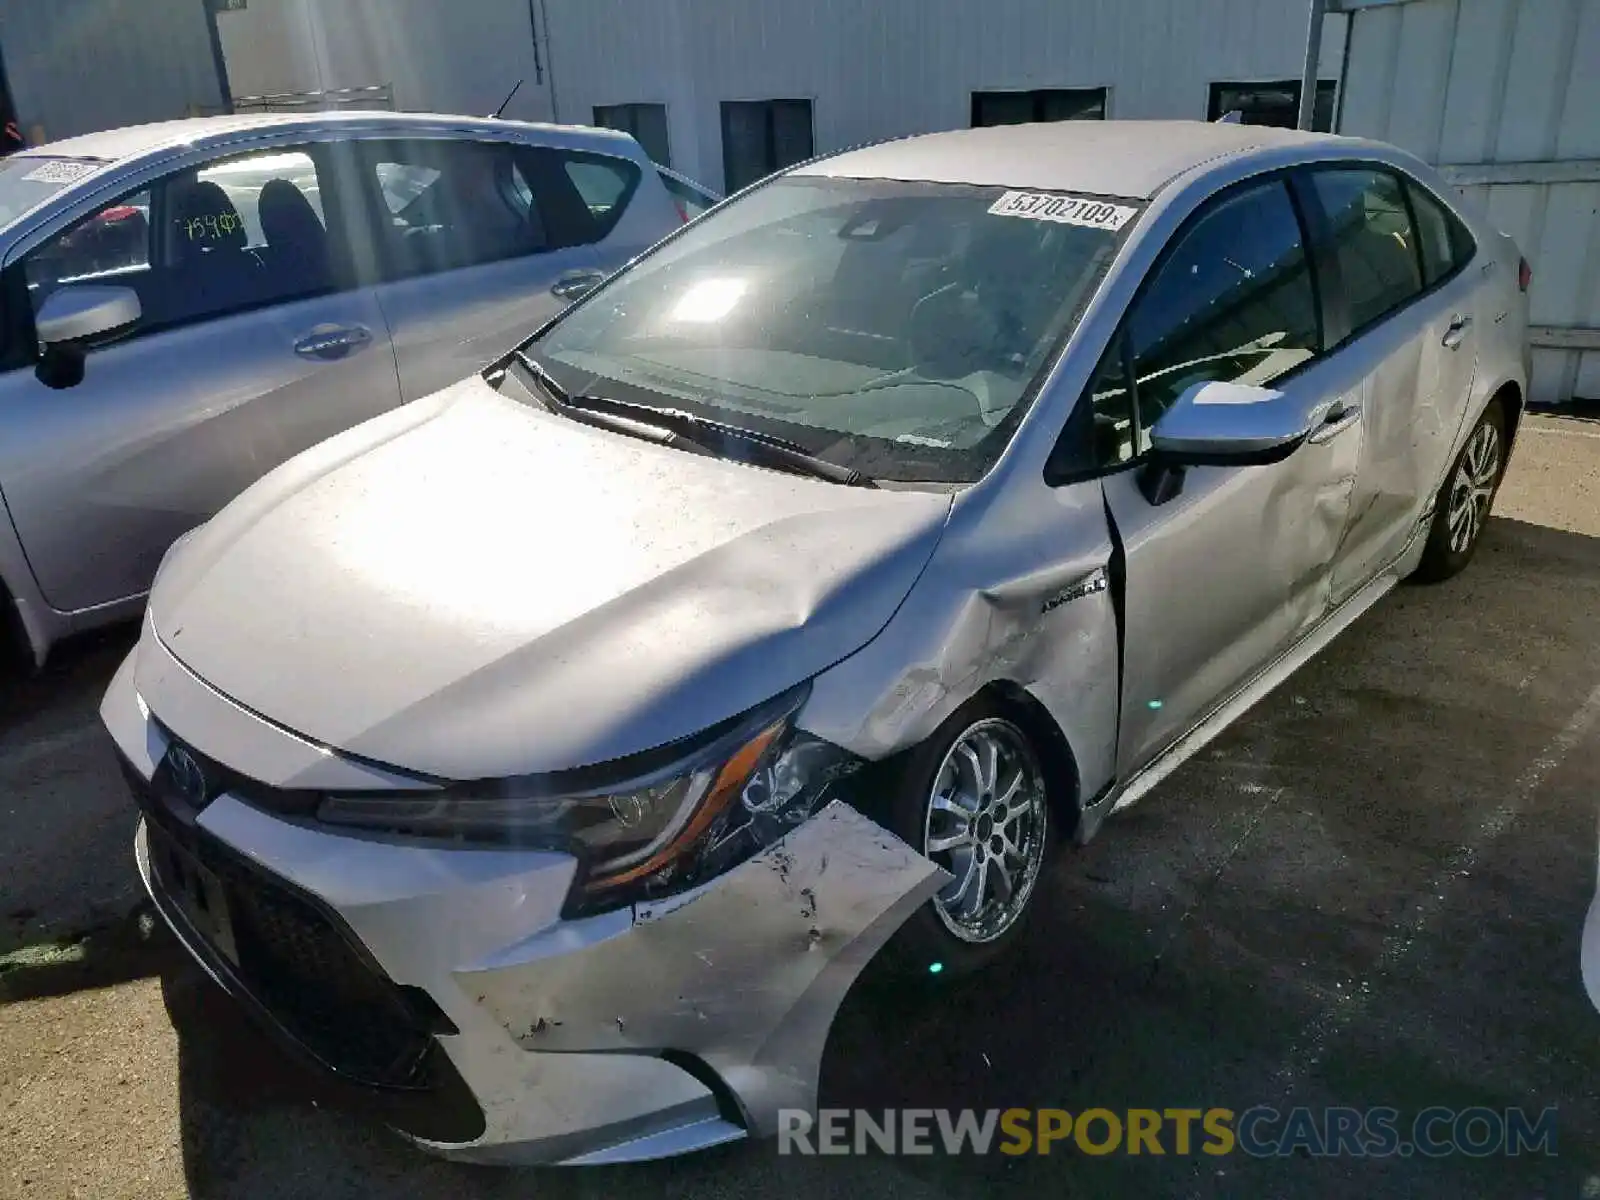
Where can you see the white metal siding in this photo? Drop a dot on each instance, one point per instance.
(1505, 95)
(876, 69)
(75, 66)
(463, 56)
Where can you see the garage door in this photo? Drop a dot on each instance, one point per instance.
(1504, 96)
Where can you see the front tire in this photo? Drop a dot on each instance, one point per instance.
(1462, 509)
(974, 800)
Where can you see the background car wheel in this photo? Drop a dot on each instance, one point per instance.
(1463, 506)
(974, 799)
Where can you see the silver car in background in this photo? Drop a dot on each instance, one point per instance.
(546, 758)
(190, 304)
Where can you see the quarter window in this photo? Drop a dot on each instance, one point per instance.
(1231, 302)
(1373, 239)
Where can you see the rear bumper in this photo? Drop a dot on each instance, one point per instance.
(508, 1034)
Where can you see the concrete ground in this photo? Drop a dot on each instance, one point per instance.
(1369, 892)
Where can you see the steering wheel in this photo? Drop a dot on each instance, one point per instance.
(952, 334)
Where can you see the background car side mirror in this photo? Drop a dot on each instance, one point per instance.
(1222, 425)
(75, 314)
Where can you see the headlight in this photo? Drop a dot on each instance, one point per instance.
(702, 812)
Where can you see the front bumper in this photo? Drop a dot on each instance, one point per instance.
(440, 988)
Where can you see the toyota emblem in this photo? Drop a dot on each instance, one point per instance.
(188, 777)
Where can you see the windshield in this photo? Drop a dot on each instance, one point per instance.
(27, 182)
(895, 328)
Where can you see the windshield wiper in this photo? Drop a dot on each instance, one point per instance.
(701, 431)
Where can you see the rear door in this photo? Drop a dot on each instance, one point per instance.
(1225, 575)
(1411, 325)
(254, 343)
(477, 244)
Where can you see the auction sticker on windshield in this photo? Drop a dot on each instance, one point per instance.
(1067, 210)
(61, 170)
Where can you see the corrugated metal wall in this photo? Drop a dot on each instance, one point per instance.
(1505, 94)
(460, 56)
(79, 65)
(884, 68)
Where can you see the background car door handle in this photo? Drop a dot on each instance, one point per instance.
(1454, 335)
(1337, 421)
(574, 284)
(329, 342)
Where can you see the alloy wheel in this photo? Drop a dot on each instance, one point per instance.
(986, 824)
(1472, 489)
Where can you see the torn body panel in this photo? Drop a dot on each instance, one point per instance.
(1018, 592)
(744, 974)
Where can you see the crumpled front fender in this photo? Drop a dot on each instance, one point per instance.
(745, 973)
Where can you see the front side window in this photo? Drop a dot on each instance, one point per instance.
(232, 235)
(763, 136)
(894, 328)
(1232, 301)
(1373, 238)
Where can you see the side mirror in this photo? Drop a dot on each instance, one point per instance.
(1230, 425)
(81, 311)
(72, 315)
(1221, 425)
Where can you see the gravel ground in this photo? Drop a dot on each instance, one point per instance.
(1370, 891)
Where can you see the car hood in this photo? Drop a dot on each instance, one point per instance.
(468, 587)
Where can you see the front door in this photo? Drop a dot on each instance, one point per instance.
(477, 245)
(251, 347)
(1225, 575)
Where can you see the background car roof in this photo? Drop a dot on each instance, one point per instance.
(1110, 158)
(138, 141)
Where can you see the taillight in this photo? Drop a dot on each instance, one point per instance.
(1524, 274)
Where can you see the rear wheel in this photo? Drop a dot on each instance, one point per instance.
(1462, 509)
(973, 799)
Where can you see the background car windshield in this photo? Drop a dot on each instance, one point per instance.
(896, 328)
(28, 182)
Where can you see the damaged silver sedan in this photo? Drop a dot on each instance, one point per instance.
(546, 758)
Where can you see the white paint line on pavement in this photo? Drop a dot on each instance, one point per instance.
(27, 753)
(1352, 1003)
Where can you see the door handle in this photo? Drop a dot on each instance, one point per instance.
(1456, 333)
(1339, 418)
(576, 284)
(330, 342)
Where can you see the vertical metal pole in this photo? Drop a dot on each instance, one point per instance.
(218, 58)
(1308, 76)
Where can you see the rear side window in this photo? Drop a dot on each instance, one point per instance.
(1373, 239)
(451, 204)
(1446, 244)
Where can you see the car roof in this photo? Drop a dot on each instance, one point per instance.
(139, 141)
(1111, 158)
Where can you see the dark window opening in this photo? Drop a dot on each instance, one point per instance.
(1041, 104)
(763, 136)
(647, 123)
(1276, 103)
